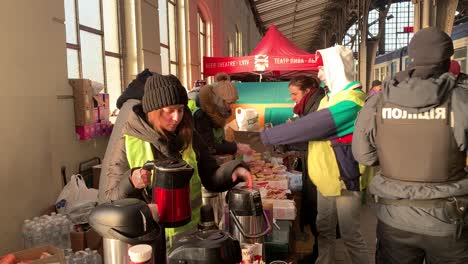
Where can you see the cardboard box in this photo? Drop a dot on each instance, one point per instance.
(97, 130)
(98, 101)
(251, 138)
(283, 209)
(83, 101)
(105, 97)
(84, 116)
(34, 254)
(87, 239)
(81, 86)
(85, 132)
(95, 115)
(103, 113)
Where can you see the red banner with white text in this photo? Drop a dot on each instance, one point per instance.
(258, 63)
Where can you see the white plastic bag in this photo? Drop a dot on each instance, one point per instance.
(74, 195)
(97, 87)
(247, 119)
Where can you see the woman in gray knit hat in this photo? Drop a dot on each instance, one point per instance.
(162, 128)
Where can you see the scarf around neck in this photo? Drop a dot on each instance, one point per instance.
(299, 107)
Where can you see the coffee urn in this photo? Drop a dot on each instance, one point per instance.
(122, 224)
(248, 222)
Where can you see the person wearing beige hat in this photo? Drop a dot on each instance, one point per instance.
(215, 108)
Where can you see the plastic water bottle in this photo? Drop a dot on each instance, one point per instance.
(65, 229)
(97, 257)
(88, 255)
(38, 238)
(68, 252)
(49, 234)
(51, 229)
(77, 259)
(27, 233)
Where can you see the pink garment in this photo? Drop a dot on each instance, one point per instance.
(455, 67)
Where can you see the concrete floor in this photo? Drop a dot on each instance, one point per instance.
(368, 226)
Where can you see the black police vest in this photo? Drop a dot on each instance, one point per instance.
(418, 147)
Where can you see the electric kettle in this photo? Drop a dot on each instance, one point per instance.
(171, 191)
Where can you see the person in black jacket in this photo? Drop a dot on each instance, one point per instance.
(129, 98)
(161, 129)
(215, 107)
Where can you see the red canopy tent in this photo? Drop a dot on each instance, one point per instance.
(274, 54)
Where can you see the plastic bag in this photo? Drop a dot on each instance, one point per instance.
(247, 119)
(74, 195)
(97, 87)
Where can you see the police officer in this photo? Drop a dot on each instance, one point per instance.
(416, 130)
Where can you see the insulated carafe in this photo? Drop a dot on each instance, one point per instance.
(248, 221)
(122, 224)
(206, 247)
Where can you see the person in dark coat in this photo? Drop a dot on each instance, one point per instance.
(215, 108)
(416, 131)
(161, 129)
(129, 98)
(306, 93)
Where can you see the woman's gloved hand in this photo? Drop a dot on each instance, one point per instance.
(244, 175)
(244, 149)
(140, 178)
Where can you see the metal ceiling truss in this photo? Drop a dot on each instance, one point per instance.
(310, 24)
(293, 30)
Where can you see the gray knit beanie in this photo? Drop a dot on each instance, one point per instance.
(162, 91)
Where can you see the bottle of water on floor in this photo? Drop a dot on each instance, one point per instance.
(51, 229)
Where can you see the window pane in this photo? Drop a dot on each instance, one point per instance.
(460, 53)
(164, 60)
(113, 78)
(202, 25)
(70, 21)
(174, 69)
(463, 65)
(202, 50)
(163, 22)
(172, 32)
(89, 12)
(111, 30)
(91, 56)
(72, 64)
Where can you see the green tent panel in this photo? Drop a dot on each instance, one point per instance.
(278, 115)
(263, 93)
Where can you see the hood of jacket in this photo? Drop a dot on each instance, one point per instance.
(213, 105)
(338, 67)
(418, 95)
(138, 127)
(135, 89)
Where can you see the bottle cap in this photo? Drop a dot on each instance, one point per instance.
(140, 253)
